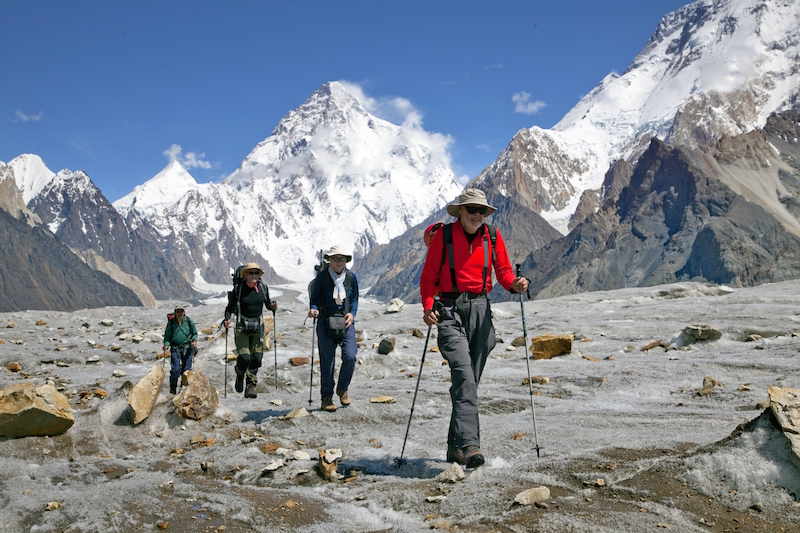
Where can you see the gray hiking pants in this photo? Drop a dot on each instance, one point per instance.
(465, 346)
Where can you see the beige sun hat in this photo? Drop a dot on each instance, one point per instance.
(337, 249)
(248, 267)
(469, 196)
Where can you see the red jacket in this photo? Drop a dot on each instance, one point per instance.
(468, 260)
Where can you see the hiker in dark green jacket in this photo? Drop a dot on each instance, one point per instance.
(180, 338)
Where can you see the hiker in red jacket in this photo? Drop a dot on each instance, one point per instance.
(458, 265)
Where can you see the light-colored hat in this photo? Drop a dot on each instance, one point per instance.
(248, 267)
(182, 307)
(337, 249)
(470, 196)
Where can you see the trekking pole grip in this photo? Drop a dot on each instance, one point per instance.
(519, 275)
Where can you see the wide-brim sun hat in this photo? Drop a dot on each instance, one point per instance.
(338, 249)
(470, 196)
(248, 267)
(182, 307)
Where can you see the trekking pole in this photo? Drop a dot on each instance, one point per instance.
(311, 382)
(275, 342)
(527, 362)
(400, 462)
(226, 363)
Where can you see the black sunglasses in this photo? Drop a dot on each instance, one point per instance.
(472, 209)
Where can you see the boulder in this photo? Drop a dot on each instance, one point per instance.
(143, 396)
(395, 306)
(785, 405)
(27, 411)
(386, 346)
(532, 496)
(198, 399)
(696, 333)
(548, 345)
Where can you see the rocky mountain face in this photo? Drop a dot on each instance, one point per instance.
(329, 173)
(721, 213)
(39, 272)
(11, 199)
(79, 216)
(713, 68)
(396, 267)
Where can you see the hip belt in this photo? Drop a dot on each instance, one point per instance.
(463, 295)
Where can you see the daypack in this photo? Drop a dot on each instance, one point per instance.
(447, 250)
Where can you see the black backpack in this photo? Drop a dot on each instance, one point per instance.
(238, 282)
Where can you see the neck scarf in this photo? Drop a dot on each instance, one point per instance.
(339, 293)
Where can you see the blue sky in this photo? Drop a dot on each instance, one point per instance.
(116, 88)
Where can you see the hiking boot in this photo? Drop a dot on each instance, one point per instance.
(327, 404)
(250, 390)
(343, 397)
(239, 381)
(173, 390)
(473, 456)
(454, 455)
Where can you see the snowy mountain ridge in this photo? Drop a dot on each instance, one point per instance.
(711, 68)
(159, 192)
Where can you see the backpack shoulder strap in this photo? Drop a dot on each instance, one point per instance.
(493, 238)
(447, 249)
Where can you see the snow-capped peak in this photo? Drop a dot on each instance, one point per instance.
(164, 189)
(711, 68)
(31, 175)
(330, 173)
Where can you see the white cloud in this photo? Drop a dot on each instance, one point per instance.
(189, 160)
(22, 117)
(400, 111)
(496, 66)
(524, 105)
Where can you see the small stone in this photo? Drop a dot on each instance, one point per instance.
(453, 474)
(118, 373)
(52, 506)
(298, 361)
(13, 366)
(41, 322)
(107, 322)
(300, 412)
(382, 399)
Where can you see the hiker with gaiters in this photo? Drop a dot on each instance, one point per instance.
(247, 301)
(459, 264)
(334, 299)
(180, 339)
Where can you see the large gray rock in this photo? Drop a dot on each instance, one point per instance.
(143, 396)
(27, 411)
(198, 399)
(785, 405)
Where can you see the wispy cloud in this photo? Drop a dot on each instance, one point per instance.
(188, 160)
(496, 66)
(524, 105)
(22, 117)
(484, 147)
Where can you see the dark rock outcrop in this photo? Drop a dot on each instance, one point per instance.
(38, 272)
(678, 219)
(83, 219)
